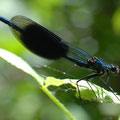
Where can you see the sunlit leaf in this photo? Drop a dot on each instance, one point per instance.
(91, 92)
(20, 64)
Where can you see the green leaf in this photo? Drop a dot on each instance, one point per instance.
(22, 65)
(63, 92)
(88, 91)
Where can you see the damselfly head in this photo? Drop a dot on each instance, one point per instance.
(114, 68)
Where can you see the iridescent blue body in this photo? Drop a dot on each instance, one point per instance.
(45, 43)
(95, 64)
(81, 57)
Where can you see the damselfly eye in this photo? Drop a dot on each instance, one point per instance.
(114, 68)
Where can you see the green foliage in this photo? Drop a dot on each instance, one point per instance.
(63, 91)
(90, 24)
(69, 86)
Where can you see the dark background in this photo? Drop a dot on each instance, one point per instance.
(93, 25)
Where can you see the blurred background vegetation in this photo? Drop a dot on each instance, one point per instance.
(93, 25)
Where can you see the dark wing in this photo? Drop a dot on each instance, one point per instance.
(41, 41)
(77, 52)
(38, 39)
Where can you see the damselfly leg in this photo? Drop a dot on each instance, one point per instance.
(87, 78)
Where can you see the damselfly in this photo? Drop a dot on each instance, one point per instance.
(45, 43)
